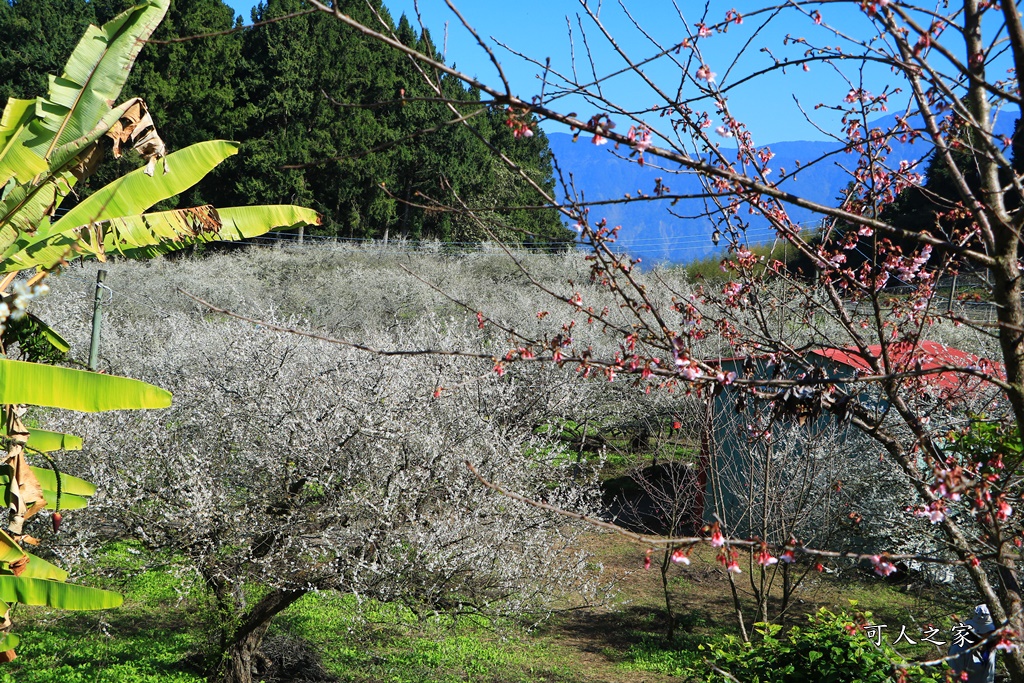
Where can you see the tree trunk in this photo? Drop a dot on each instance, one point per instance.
(237, 660)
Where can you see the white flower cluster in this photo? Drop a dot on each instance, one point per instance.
(15, 304)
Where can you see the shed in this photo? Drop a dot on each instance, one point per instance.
(770, 477)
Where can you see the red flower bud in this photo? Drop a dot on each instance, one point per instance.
(56, 518)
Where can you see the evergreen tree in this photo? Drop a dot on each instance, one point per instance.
(37, 36)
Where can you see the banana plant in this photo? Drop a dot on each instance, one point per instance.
(24, 577)
(47, 145)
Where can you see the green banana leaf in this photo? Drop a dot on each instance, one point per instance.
(152, 234)
(25, 209)
(93, 77)
(9, 550)
(135, 192)
(237, 223)
(70, 151)
(47, 385)
(129, 195)
(16, 160)
(38, 568)
(48, 480)
(56, 594)
(42, 440)
(9, 642)
(76, 112)
(68, 501)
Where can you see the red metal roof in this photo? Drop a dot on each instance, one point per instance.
(925, 355)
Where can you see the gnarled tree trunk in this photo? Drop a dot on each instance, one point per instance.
(241, 648)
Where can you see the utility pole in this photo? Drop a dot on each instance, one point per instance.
(97, 307)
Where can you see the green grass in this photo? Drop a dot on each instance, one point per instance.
(374, 641)
(119, 648)
(651, 654)
(151, 638)
(160, 635)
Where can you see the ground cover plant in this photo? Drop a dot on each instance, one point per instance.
(161, 631)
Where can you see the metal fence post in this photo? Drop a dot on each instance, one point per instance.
(97, 307)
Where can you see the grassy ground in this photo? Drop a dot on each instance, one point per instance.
(159, 635)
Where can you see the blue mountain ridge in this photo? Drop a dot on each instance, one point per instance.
(652, 233)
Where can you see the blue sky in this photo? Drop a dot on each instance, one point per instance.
(538, 28)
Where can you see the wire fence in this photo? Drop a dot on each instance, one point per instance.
(401, 245)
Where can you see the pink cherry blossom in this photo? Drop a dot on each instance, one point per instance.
(883, 567)
(704, 73)
(679, 556)
(690, 372)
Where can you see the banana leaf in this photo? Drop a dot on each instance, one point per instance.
(237, 223)
(25, 209)
(153, 234)
(75, 113)
(135, 192)
(42, 440)
(9, 550)
(16, 160)
(38, 568)
(70, 486)
(56, 594)
(9, 642)
(55, 387)
(73, 485)
(68, 501)
(93, 76)
(69, 151)
(129, 195)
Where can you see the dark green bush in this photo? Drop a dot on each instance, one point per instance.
(832, 648)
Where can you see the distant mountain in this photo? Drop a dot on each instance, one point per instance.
(650, 231)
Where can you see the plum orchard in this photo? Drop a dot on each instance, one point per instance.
(287, 465)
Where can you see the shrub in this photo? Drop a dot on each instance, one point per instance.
(831, 648)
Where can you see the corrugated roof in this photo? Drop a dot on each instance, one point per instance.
(925, 355)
